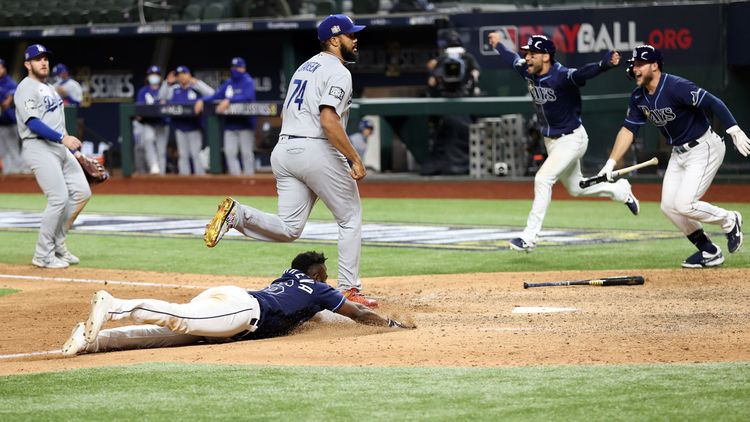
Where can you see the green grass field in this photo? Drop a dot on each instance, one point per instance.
(197, 392)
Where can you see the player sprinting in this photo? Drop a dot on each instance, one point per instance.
(220, 314)
(47, 150)
(310, 159)
(555, 92)
(677, 107)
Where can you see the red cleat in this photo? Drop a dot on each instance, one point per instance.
(354, 295)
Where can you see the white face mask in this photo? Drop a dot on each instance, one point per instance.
(154, 79)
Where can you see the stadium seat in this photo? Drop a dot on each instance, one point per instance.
(213, 11)
(192, 12)
(365, 7)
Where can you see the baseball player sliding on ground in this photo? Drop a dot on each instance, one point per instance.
(676, 106)
(310, 159)
(555, 91)
(220, 314)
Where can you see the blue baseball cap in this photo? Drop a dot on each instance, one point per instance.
(182, 69)
(365, 124)
(539, 43)
(648, 54)
(337, 25)
(34, 51)
(153, 69)
(238, 62)
(59, 68)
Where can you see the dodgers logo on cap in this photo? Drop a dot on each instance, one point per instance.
(238, 62)
(153, 69)
(337, 25)
(182, 69)
(34, 51)
(59, 68)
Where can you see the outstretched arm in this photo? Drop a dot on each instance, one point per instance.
(580, 76)
(509, 58)
(364, 315)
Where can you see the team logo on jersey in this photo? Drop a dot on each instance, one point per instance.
(695, 97)
(337, 92)
(660, 116)
(540, 94)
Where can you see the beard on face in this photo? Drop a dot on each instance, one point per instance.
(348, 54)
(40, 74)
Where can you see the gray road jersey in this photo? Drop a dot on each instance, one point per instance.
(322, 80)
(40, 100)
(72, 88)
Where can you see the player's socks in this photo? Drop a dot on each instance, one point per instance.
(701, 241)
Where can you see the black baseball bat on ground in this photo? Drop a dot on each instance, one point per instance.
(629, 280)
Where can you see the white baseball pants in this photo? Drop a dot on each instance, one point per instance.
(242, 141)
(62, 180)
(307, 169)
(563, 163)
(189, 148)
(687, 179)
(154, 138)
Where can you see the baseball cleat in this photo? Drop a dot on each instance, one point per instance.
(222, 222)
(703, 259)
(734, 237)
(632, 203)
(49, 262)
(520, 245)
(77, 341)
(354, 295)
(67, 257)
(101, 303)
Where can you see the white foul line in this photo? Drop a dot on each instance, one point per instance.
(26, 355)
(95, 281)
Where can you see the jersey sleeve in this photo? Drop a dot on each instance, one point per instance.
(336, 91)
(28, 103)
(75, 92)
(328, 297)
(512, 59)
(248, 93)
(634, 118)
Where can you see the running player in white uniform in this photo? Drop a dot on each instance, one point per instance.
(48, 150)
(310, 159)
(677, 107)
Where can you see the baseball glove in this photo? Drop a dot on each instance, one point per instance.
(94, 171)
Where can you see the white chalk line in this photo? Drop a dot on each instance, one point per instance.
(95, 281)
(81, 280)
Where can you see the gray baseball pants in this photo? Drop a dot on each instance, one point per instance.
(307, 169)
(10, 149)
(189, 147)
(242, 141)
(64, 184)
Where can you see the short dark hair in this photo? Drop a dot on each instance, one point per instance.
(305, 260)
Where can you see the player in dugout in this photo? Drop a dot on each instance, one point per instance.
(220, 314)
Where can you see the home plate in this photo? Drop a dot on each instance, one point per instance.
(540, 310)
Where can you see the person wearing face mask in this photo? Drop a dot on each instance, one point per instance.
(556, 95)
(239, 131)
(154, 130)
(70, 90)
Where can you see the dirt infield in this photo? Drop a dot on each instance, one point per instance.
(464, 320)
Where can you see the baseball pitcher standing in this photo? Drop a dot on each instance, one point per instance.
(555, 91)
(677, 107)
(47, 150)
(309, 161)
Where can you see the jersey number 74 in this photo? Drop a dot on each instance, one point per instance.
(298, 94)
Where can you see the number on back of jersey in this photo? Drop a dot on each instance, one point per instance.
(299, 93)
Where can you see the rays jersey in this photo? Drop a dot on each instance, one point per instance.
(291, 300)
(556, 95)
(675, 109)
(40, 100)
(322, 80)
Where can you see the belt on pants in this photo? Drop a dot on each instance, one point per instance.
(681, 149)
(299, 137)
(560, 135)
(239, 336)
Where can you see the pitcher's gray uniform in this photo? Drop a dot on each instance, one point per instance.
(308, 166)
(56, 170)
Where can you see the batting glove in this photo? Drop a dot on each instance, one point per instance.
(740, 140)
(607, 169)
